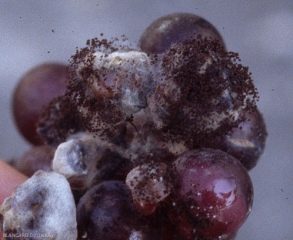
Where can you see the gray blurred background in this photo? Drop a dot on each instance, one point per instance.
(33, 32)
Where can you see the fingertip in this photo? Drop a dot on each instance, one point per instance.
(10, 178)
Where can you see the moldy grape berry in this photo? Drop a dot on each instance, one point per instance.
(246, 142)
(155, 142)
(201, 92)
(183, 95)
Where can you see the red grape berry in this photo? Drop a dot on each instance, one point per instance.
(176, 27)
(34, 90)
(107, 212)
(245, 142)
(212, 195)
(37, 158)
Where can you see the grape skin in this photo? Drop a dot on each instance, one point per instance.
(172, 28)
(37, 158)
(34, 90)
(106, 211)
(245, 142)
(213, 194)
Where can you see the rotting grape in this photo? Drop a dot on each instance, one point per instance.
(149, 184)
(34, 209)
(246, 142)
(200, 93)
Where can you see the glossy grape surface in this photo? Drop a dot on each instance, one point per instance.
(159, 36)
(213, 194)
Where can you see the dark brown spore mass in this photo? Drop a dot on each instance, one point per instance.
(200, 68)
(61, 117)
(58, 120)
(101, 109)
(204, 73)
(245, 142)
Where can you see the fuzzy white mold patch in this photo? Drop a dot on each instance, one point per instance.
(41, 208)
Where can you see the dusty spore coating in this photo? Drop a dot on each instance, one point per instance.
(108, 85)
(149, 184)
(59, 120)
(246, 142)
(195, 90)
(34, 209)
(200, 92)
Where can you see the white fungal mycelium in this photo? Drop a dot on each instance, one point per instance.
(43, 206)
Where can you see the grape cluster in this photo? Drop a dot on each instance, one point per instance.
(155, 142)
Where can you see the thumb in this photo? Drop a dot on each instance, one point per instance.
(9, 179)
